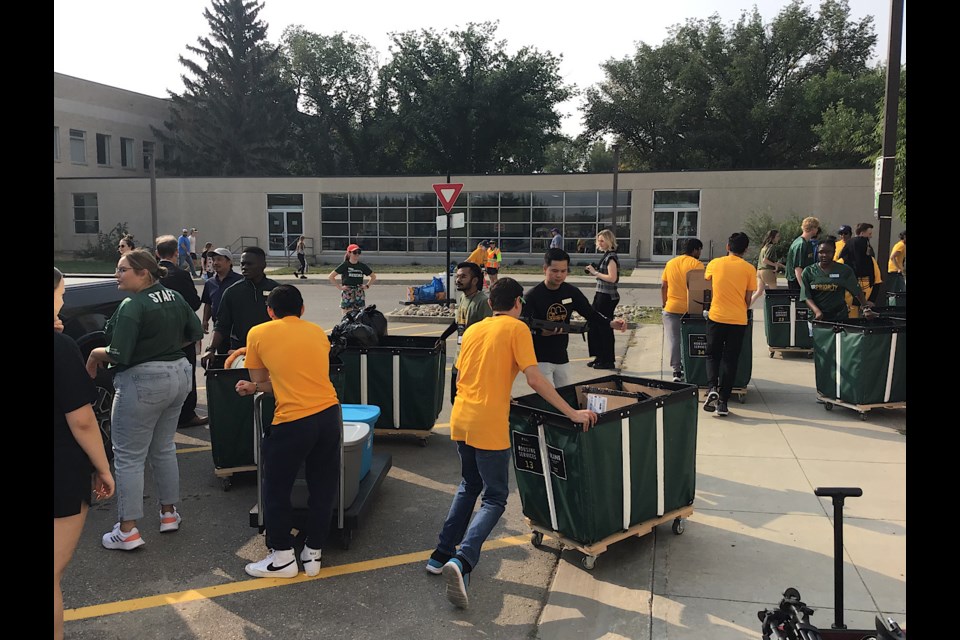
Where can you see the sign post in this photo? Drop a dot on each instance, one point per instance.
(447, 193)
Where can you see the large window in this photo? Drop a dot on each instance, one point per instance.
(78, 146)
(86, 214)
(56, 143)
(520, 221)
(126, 153)
(103, 150)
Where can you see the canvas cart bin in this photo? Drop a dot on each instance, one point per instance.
(231, 419)
(861, 364)
(785, 321)
(693, 353)
(635, 467)
(403, 375)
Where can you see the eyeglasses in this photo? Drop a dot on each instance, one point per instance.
(122, 270)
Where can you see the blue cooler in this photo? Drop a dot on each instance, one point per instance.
(368, 414)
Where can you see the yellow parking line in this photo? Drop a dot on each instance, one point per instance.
(230, 588)
(192, 450)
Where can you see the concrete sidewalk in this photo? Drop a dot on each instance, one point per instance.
(757, 526)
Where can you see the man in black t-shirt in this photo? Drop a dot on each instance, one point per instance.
(555, 300)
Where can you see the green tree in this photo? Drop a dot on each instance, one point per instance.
(457, 102)
(566, 155)
(236, 110)
(335, 79)
(743, 96)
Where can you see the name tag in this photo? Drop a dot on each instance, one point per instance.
(834, 275)
(567, 301)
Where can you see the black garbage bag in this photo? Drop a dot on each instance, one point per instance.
(373, 319)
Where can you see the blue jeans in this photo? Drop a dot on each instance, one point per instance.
(146, 409)
(482, 470)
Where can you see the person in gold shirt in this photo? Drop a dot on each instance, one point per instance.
(673, 294)
(844, 233)
(290, 358)
(492, 353)
(734, 280)
(897, 266)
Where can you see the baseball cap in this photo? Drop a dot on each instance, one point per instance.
(185, 231)
(353, 247)
(225, 253)
(554, 229)
(844, 228)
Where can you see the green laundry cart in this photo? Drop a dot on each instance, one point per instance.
(404, 376)
(785, 319)
(861, 364)
(693, 353)
(231, 419)
(635, 469)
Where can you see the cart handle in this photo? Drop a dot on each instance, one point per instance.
(838, 495)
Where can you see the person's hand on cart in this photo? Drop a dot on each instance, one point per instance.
(583, 417)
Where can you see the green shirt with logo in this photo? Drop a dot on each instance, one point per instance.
(151, 325)
(351, 275)
(826, 289)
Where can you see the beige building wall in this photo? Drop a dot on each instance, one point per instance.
(226, 209)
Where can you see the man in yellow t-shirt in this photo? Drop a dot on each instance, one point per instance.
(492, 353)
(290, 358)
(673, 294)
(897, 266)
(733, 282)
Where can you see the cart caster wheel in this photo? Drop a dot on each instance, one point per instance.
(226, 483)
(828, 406)
(536, 539)
(423, 442)
(678, 526)
(589, 562)
(346, 537)
(863, 416)
(771, 354)
(742, 398)
(810, 356)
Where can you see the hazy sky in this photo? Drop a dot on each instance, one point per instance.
(135, 44)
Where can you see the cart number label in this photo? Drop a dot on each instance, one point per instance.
(781, 314)
(697, 345)
(526, 456)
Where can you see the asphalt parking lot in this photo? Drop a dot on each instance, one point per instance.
(191, 584)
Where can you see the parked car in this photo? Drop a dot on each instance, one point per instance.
(87, 305)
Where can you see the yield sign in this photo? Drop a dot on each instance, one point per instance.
(448, 193)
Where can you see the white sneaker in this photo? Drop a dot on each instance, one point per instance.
(311, 560)
(117, 539)
(169, 521)
(279, 564)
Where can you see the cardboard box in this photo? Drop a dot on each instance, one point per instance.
(602, 397)
(699, 291)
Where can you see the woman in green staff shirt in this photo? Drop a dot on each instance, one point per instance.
(824, 283)
(145, 340)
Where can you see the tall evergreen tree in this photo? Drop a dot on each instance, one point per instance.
(236, 110)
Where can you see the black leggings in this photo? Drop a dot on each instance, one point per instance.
(303, 263)
(600, 339)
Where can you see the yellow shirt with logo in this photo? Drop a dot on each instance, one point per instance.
(901, 248)
(297, 355)
(675, 275)
(492, 353)
(731, 278)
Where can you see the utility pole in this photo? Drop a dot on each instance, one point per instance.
(616, 174)
(153, 196)
(886, 163)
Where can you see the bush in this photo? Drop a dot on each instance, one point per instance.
(106, 245)
(758, 224)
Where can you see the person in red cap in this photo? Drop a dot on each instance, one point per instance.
(352, 273)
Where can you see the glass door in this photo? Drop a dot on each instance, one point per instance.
(671, 230)
(284, 229)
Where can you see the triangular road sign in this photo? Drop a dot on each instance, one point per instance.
(448, 192)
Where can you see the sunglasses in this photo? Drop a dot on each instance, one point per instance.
(356, 253)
